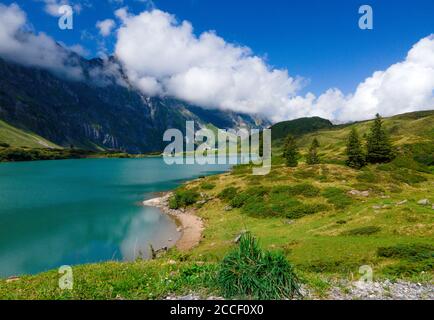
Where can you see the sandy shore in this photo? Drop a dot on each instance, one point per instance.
(191, 226)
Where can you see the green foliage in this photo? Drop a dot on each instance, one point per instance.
(207, 186)
(379, 147)
(407, 176)
(298, 127)
(290, 152)
(249, 272)
(183, 198)
(228, 193)
(355, 155)
(302, 189)
(24, 154)
(337, 197)
(413, 259)
(312, 156)
(411, 252)
(363, 231)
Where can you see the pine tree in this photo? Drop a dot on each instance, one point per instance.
(312, 156)
(290, 152)
(356, 158)
(379, 148)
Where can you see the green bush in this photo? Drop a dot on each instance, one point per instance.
(249, 272)
(304, 189)
(363, 231)
(304, 209)
(337, 197)
(207, 186)
(183, 198)
(228, 193)
(413, 252)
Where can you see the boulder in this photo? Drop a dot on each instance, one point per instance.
(424, 202)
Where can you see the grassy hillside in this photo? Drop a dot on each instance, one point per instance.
(299, 127)
(327, 219)
(19, 138)
(412, 132)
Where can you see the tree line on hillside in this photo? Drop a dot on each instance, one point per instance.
(378, 149)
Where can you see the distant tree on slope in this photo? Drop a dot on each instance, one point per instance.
(312, 156)
(290, 151)
(379, 147)
(355, 155)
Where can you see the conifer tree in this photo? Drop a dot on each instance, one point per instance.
(355, 156)
(290, 152)
(312, 156)
(379, 148)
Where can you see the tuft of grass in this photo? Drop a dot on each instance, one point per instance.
(250, 272)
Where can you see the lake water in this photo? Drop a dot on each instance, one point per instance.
(68, 212)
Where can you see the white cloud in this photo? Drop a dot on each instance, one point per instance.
(165, 57)
(31, 49)
(105, 27)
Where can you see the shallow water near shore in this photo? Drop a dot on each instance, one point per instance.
(69, 212)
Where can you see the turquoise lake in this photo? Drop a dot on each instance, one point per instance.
(69, 212)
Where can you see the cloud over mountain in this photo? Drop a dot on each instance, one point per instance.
(38, 50)
(165, 57)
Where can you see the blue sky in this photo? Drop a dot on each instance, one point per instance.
(319, 40)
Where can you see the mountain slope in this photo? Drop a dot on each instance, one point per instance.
(19, 138)
(100, 112)
(298, 127)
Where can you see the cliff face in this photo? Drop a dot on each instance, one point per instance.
(101, 111)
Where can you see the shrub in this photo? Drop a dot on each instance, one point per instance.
(304, 209)
(303, 189)
(250, 272)
(337, 197)
(412, 252)
(407, 176)
(183, 198)
(228, 193)
(207, 186)
(363, 231)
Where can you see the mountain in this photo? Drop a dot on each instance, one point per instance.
(299, 127)
(101, 111)
(11, 136)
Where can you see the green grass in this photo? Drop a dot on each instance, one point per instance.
(305, 213)
(15, 137)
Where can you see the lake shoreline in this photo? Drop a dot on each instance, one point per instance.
(189, 224)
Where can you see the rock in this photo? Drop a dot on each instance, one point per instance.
(400, 203)
(432, 207)
(228, 208)
(12, 279)
(171, 262)
(359, 193)
(424, 202)
(289, 221)
(376, 207)
(179, 229)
